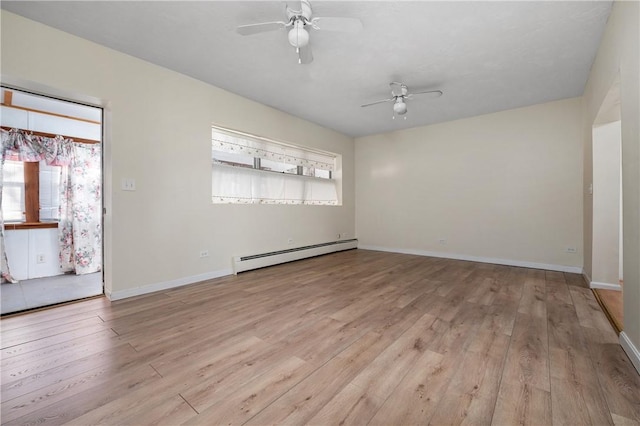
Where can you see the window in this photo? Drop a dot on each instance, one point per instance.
(252, 170)
(30, 192)
(13, 192)
(49, 196)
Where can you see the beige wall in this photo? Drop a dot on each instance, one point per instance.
(158, 125)
(606, 204)
(619, 52)
(504, 186)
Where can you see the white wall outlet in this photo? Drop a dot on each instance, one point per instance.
(339, 236)
(442, 242)
(570, 250)
(204, 253)
(344, 235)
(290, 240)
(128, 184)
(40, 258)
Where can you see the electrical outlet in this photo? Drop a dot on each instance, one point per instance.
(204, 253)
(570, 250)
(40, 258)
(290, 240)
(442, 242)
(339, 235)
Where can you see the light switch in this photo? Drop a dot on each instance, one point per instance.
(128, 184)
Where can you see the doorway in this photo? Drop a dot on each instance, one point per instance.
(607, 267)
(51, 242)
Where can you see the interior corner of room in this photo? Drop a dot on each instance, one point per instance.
(550, 185)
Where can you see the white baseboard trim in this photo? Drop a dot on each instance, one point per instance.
(632, 352)
(605, 286)
(164, 285)
(508, 262)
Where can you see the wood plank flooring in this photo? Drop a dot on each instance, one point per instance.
(611, 304)
(358, 337)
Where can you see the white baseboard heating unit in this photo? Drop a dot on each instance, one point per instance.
(246, 263)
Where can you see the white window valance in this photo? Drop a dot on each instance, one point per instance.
(253, 146)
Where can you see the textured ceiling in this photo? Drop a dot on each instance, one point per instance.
(484, 56)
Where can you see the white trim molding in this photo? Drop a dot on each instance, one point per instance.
(629, 348)
(605, 286)
(165, 285)
(508, 262)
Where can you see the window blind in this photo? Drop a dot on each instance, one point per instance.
(13, 191)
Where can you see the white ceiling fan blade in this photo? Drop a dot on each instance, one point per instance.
(305, 56)
(347, 25)
(260, 28)
(431, 93)
(379, 102)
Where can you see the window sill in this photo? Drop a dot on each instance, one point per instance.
(29, 225)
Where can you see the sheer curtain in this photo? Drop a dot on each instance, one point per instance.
(79, 229)
(250, 186)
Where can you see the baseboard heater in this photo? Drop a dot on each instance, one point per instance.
(246, 263)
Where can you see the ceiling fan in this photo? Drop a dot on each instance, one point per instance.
(300, 22)
(400, 94)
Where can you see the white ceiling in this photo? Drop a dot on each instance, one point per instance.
(485, 56)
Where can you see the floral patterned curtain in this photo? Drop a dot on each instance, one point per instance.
(21, 146)
(80, 201)
(80, 211)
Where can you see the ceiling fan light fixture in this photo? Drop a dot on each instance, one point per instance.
(400, 107)
(298, 36)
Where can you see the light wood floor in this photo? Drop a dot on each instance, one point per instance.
(357, 337)
(611, 303)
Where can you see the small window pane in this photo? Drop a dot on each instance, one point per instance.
(324, 174)
(49, 192)
(232, 159)
(13, 191)
(275, 166)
